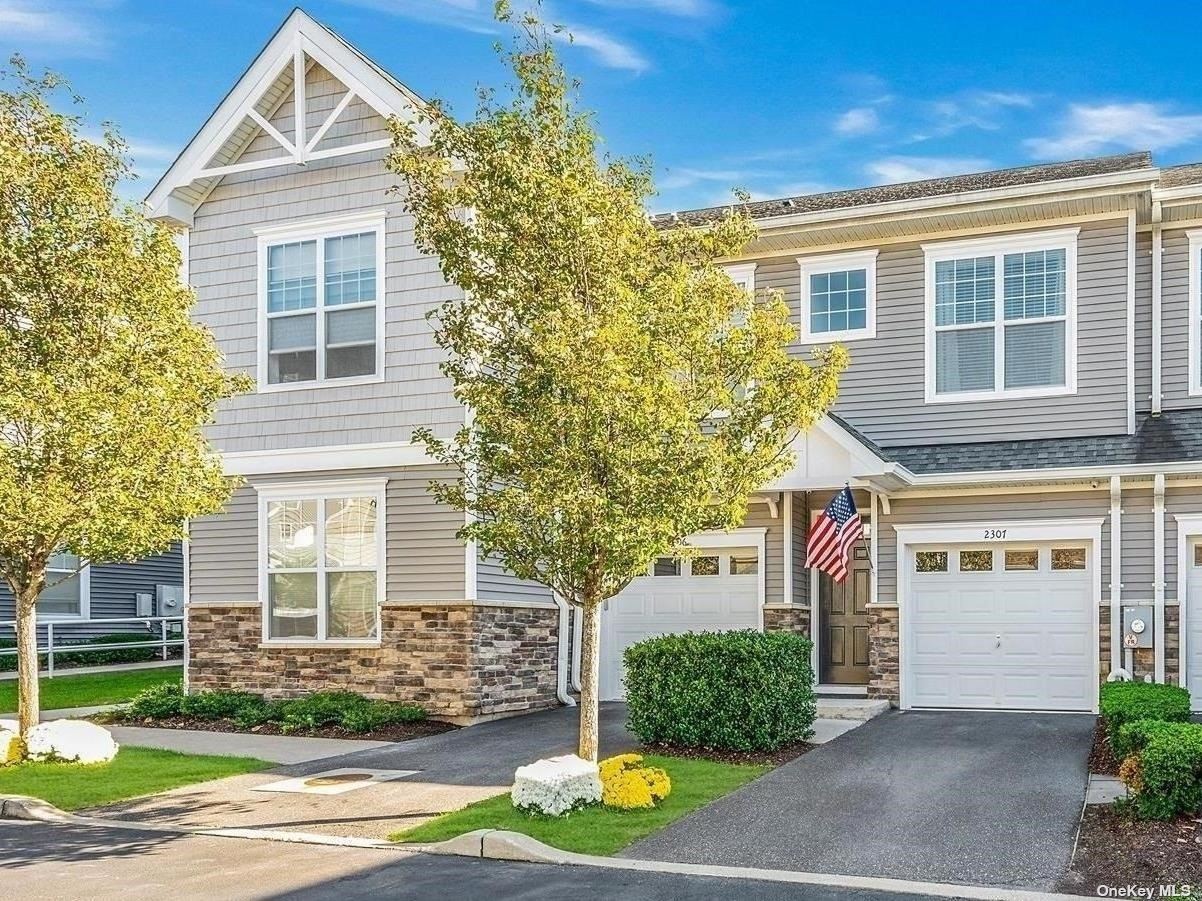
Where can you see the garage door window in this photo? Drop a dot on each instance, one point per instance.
(1198, 555)
(1068, 558)
(744, 565)
(666, 566)
(705, 566)
(976, 561)
(1022, 560)
(930, 562)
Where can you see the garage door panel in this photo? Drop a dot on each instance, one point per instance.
(1017, 639)
(667, 603)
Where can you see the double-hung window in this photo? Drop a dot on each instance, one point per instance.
(322, 560)
(321, 303)
(838, 296)
(1001, 317)
(67, 588)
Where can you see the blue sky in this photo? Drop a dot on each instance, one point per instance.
(778, 97)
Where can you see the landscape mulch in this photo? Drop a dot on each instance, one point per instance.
(1115, 850)
(397, 732)
(1101, 757)
(721, 755)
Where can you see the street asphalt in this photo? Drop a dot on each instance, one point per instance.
(970, 798)
(50, 862)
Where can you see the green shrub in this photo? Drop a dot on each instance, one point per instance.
(350, 711)
(1133, 737)
(1170, 768)
(218, 705)
(158, 702)
(741, 691)
(1128, 702)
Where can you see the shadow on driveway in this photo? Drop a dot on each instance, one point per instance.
(979, 798)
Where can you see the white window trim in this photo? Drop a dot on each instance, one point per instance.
(744, 272)
(838, 262)
(318, 230)
(85, 599)
(1195, 312)
(323, 490)
(1060, 239)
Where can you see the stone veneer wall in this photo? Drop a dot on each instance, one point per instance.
(884, 645)
(460, 662)
(1145, 658)
(794, 618)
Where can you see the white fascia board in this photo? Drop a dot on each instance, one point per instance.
(1137, 177)
(1064, 473)
(1181, 194)
(326, 459)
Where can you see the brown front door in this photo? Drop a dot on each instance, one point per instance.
(843, 619)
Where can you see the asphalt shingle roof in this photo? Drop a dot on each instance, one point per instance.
(911, 190)
(1176, 176)
(1172, 437)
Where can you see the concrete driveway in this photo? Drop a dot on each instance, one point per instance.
(979, 798)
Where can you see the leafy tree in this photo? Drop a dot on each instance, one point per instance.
(605, 360)
(104, 380)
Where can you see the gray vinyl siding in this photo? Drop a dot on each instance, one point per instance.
(759, 516)
(800, 525)
(1143, 322)
(223, 268)
(883, 391)
(495, 583)
(112, 589)
(1174, 346)
(981, 509)
(425, 561)
(1137, 546)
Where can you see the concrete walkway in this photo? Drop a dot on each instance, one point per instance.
(274, 748)
(977, 798)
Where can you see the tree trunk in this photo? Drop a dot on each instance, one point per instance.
(27, 665)
(590, 666)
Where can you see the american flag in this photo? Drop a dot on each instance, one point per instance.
(832, 535)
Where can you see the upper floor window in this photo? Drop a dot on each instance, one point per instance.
(743, 275)
(1001, 317)
(322, 576)
(838, 296)
(321, 302)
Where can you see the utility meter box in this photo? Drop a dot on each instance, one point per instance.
(1137, 626)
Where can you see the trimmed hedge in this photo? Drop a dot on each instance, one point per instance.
(1122, 703)
(1168, 780)
(341, 709)
(738, 691)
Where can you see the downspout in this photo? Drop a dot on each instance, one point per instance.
(561, 669)
(1116, 581)
(577, 638)
(187, 550)
(1158, 574)
(1156, 296)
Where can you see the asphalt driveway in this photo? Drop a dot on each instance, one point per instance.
(978, 798)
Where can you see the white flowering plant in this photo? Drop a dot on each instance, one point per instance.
(556, 786)
(71, 741)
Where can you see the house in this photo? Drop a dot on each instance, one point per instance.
(1021, 424)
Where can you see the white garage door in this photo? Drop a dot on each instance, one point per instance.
(715, 591)
(1001, 627)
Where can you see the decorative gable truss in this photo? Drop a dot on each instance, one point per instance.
(304, 67)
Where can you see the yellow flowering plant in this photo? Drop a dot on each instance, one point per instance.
(628, 785)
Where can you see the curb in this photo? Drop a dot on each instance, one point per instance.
(20, 807)
(497, 844)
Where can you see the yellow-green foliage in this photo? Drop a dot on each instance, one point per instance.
(628, 785)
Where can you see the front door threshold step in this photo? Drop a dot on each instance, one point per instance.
(851, 708)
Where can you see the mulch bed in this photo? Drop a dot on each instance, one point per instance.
(1116, 851)
(1101, 757)
(719, 755)
(398, 732)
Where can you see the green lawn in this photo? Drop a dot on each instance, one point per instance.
(596, 830)
(90, 689)
(134, 771)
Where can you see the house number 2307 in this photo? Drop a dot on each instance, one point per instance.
(994, 533)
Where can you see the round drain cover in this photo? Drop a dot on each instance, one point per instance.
(338, 779)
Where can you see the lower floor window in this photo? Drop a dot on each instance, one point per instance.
(324, 565)
(64, 594)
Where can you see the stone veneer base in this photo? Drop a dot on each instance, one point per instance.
(463, 663)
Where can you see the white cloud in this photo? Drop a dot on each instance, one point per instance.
(609, 50)
(63, 28)
(861, 120)
(685, 177)
(893, 169)
(983, 110)
(1090, 128)
(690, 9)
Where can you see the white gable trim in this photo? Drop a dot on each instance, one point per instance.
(299, 37)
(828, 455)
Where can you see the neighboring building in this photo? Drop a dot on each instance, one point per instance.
(106, 591)
(1021, 424)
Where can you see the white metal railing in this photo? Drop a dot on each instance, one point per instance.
(162, 642)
